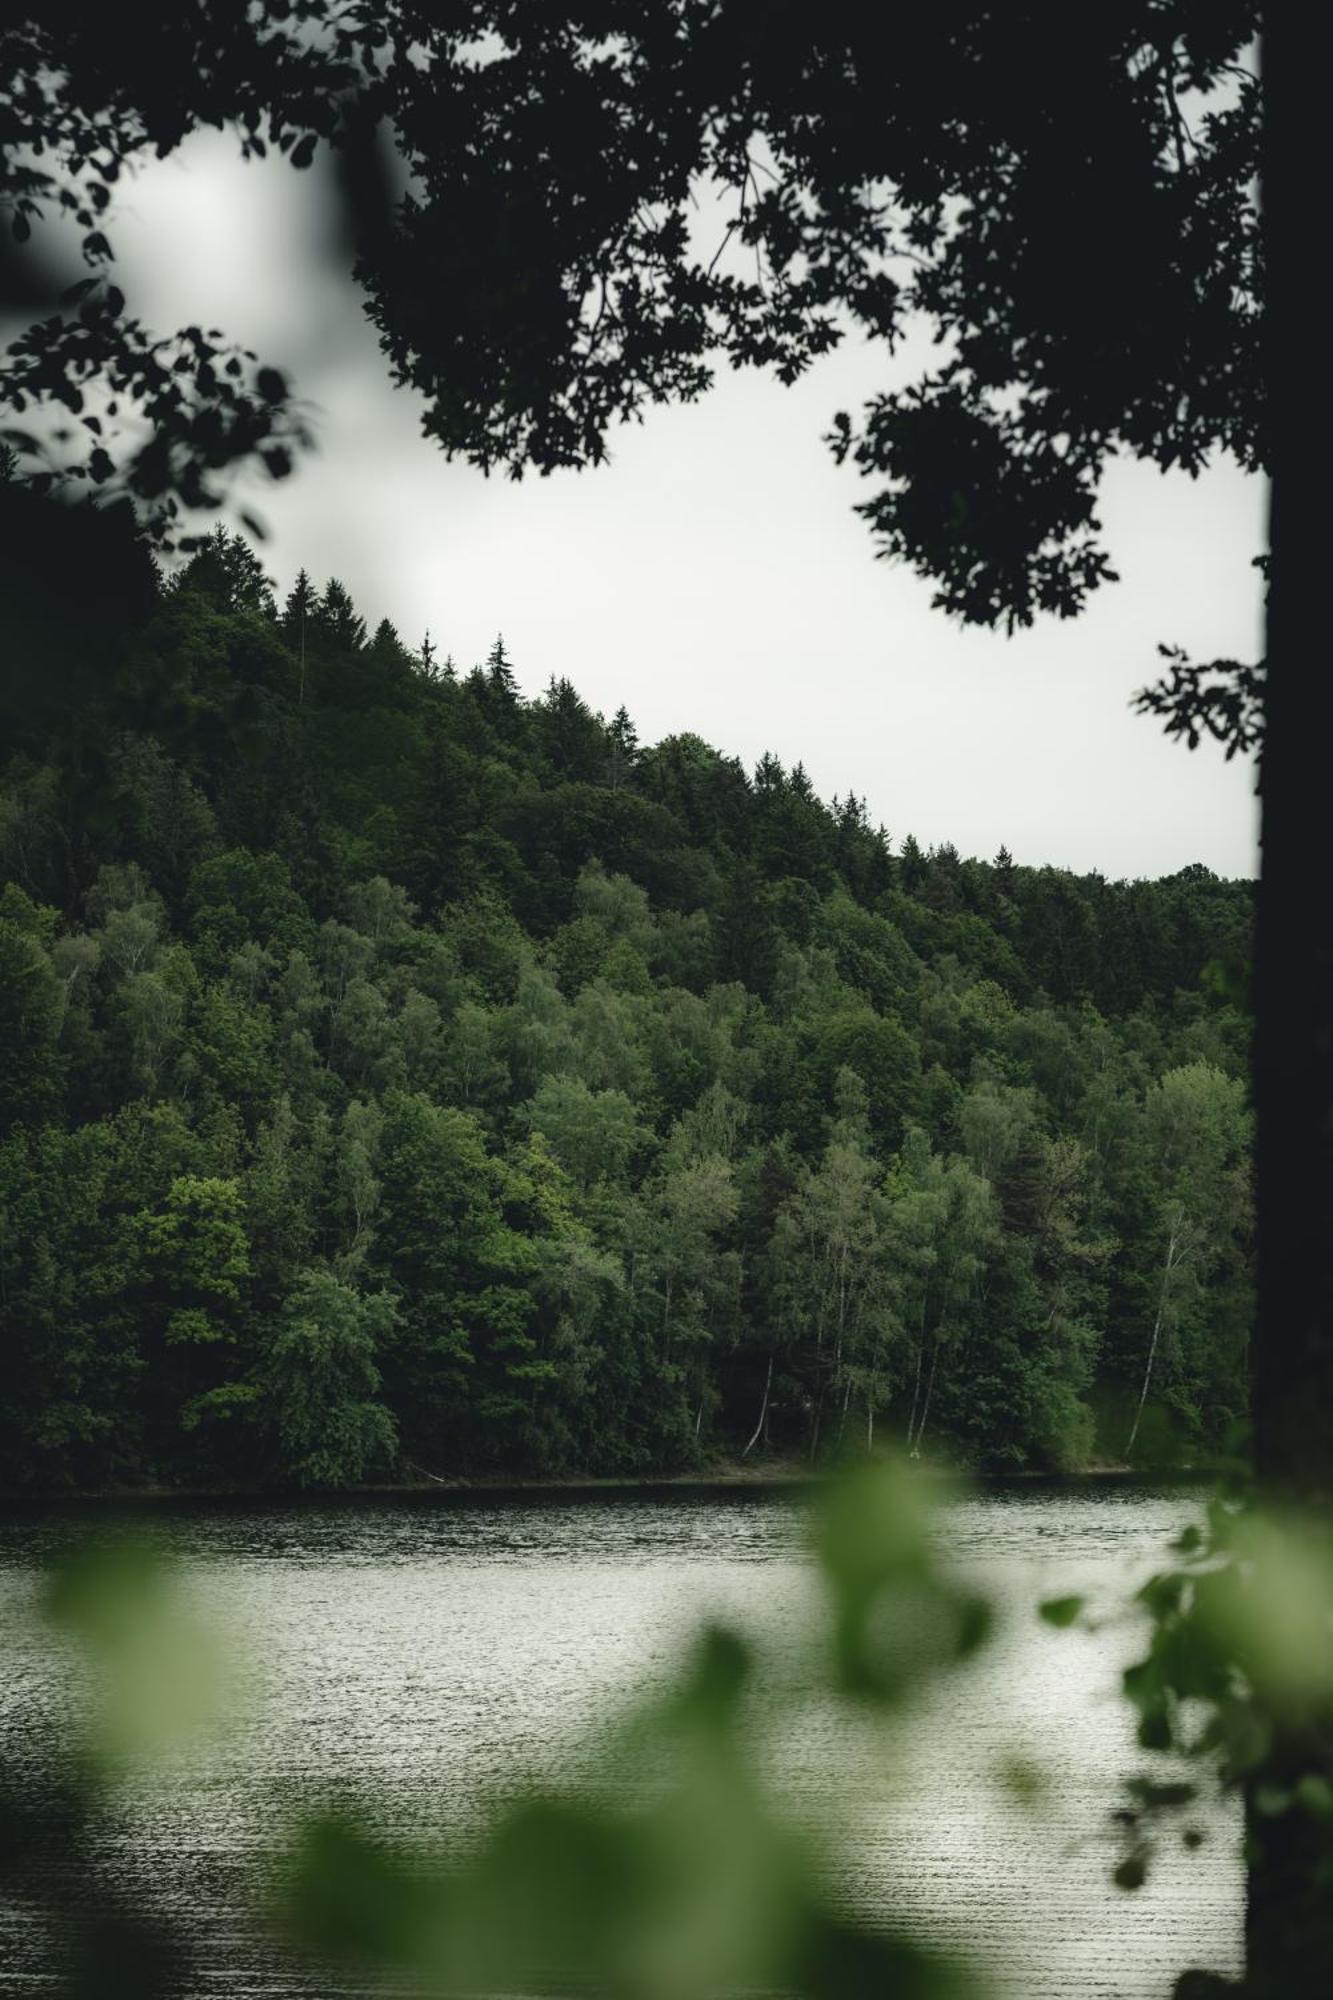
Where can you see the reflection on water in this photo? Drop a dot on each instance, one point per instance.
(425, 1656)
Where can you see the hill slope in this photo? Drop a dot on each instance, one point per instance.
(400, 1074)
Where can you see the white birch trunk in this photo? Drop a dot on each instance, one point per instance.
(1172, 1259)
(763, 1412)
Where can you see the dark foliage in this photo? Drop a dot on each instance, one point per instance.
(1068, 207)
(400, 1074)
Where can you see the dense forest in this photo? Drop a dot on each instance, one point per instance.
(404, 1077)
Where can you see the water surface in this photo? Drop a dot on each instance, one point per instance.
(427, 1655)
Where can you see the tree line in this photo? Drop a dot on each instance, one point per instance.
(404, 1077)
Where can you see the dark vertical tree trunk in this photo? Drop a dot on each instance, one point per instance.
(1289, 1925)
(1293, 1381)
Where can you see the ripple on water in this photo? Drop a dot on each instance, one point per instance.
(428, 1655)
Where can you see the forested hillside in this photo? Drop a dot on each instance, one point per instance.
(400, 1075)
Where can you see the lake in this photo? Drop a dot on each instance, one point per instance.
(426, 1654)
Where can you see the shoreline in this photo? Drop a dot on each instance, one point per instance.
(730, 1479)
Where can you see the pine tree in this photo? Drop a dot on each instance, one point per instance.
(769, 775)
(501, 680)
(387, 653)
(227, 570)
(338, 620)
(623, 754)
(298, 610)
(574, 739)
(912, 865)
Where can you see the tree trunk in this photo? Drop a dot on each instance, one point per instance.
(1167, 1268)
(814, 1431)
(925, 1407)
(916, 1390)
(1293, 1364)
(1289, 1920)
(763, 1412)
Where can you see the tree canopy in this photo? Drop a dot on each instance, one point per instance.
(562, 216)
(400, 1073)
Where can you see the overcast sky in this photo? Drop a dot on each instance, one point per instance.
(713, 577)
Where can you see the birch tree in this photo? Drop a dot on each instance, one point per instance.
(942, 1221)
(1198, 1137)
(831, 1281)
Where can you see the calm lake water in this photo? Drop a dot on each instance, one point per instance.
(426, 1655)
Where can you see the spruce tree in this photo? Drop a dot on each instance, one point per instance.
(299, 609)
(338, 620)
(501, 680)
(227, 570)
(912, 865)
(623, 750)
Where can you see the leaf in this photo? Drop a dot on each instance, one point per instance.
(272, 385)
(161, 1673)
(1163, 1797)
(1132, 1872)
(1154, 1730)
(1060, 1611)
(73, 293)
(303, 152)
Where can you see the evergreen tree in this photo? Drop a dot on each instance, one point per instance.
(912, 866)
(227, 571)
(337, 619)
(623, 750)
(501, 680)
(299, 609)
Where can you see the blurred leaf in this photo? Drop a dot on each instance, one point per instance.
(159, 1673)
(1132, 1872)
(896, 1618)
(347, 1896)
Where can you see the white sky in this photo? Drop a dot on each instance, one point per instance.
(713, 577)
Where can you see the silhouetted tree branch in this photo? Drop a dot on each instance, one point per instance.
(1218, 698)
(1021, 187)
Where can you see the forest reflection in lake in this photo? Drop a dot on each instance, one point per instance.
(424, 1657)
